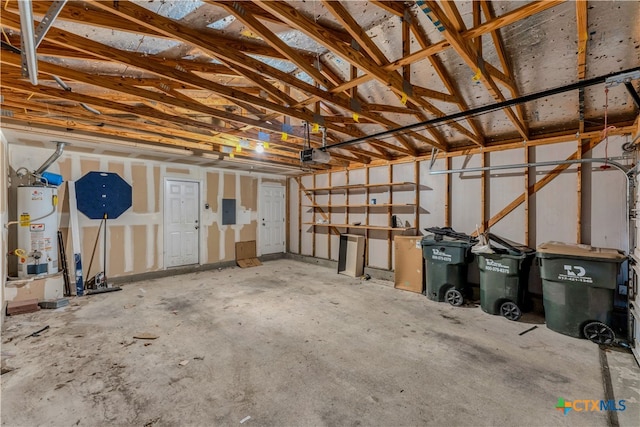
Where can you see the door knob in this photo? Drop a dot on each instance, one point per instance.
(196, 227)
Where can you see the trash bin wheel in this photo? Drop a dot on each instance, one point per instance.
(454, 297)
(598, 333)
(511, 311)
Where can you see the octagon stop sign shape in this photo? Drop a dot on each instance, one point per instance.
(102, 195)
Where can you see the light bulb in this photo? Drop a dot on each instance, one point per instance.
(259, 148)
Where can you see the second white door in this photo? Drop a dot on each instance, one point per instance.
(272, 219)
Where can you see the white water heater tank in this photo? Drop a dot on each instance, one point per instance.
(37, 230)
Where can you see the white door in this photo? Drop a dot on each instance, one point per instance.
(181, 222)
(272, 219)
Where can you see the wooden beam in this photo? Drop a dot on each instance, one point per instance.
(550, 176)
(273, 40)
(236, 60)
(472, 59)
(452, 12)
(343, 16)
(499, 22)
(89, 14)
(446, 78)
(297, 20)
(502, 56)
(477, 20)
(365, 43)
(583, 36)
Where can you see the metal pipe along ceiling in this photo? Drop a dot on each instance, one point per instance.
(493, 107)
(530, 165)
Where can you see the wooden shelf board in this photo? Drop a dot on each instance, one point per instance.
(368, 227)
(347, 187)
(379, 205)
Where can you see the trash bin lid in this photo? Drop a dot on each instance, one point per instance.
(549, 249)
(512, 247)
(441, 240)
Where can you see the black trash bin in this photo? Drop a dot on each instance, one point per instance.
(504, 277)
(447, 255)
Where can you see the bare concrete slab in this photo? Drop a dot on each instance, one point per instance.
(288, 343)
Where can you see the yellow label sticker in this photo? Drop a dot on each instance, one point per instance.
(285, 136)
(404, 99)
(265, 144)
(25, 220)
(356, 117)
(315, 127)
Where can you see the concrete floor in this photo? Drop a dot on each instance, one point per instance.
(294, 344)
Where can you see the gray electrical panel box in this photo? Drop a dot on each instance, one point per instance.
(228, 211)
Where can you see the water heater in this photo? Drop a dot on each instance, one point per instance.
(37, 230)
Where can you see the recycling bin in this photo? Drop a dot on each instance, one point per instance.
(446, 260)
(578, 286)
(503, 282)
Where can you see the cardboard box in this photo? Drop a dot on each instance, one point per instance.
(246, 254)
(409, 264)
(351, 255)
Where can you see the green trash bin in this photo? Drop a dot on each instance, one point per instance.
(503, 282)
(504, 276)
(578, 285)
(446, 260)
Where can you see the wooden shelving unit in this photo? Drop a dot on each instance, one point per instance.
(347, 207)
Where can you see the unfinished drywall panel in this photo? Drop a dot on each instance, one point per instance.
(178, 171)
(248, 192)
(155, 197)
(117, 167)
(116, 265)
(503, 186)
(555, 205)
(212, 184)
(294, 208)
(229, 191)
(229, 245)
(432, 195)
(88, 165)
(466, 194)
(139, 248)
(604, 211)
(248, 232)
(91, 237)
(140, 187)
(213, 243)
